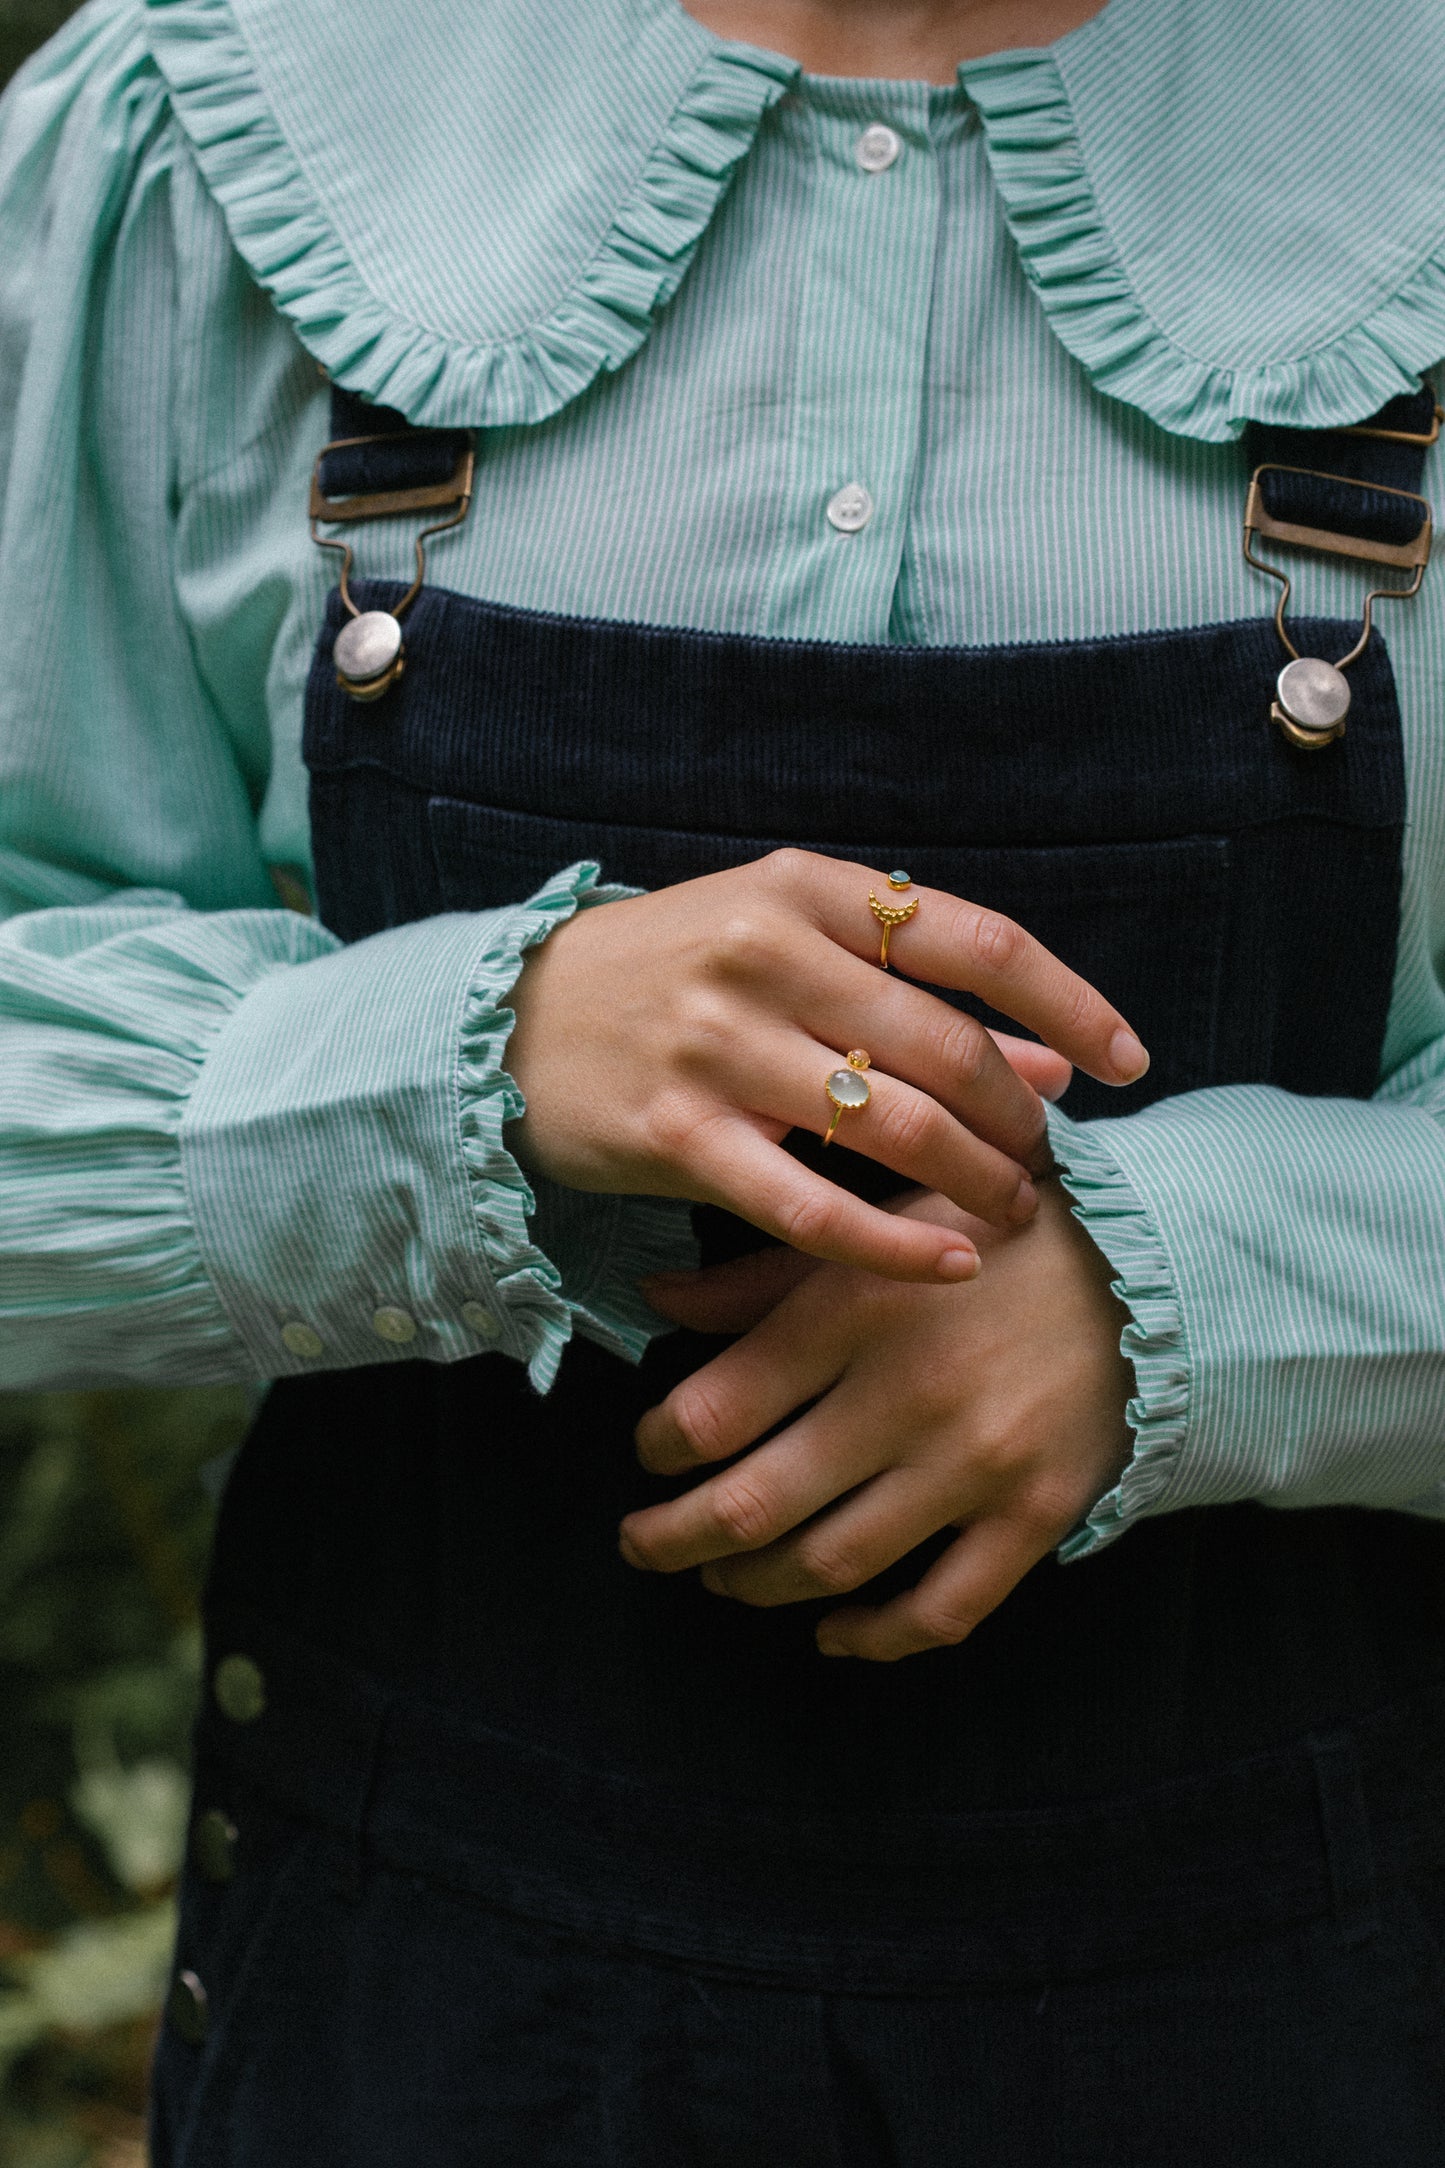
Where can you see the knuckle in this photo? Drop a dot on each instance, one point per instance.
(941, 1625)
(807, 1220)
(834, 1568)
(736, 941)
(787, 867)
(1047, 1509)
(964, 1048)
(1082, 1006)
(741, 1515)
(914, 1122)
(705, 1022)
(698, 1421)
(998, 941)
(672, 1123)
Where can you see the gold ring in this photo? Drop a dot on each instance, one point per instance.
(849, 1090)
(890, 915)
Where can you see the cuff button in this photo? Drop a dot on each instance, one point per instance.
(393, 1325)
(240, 1689)
(303, 1340)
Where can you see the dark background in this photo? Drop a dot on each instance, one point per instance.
(105, 1505)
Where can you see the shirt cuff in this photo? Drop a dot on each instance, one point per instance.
(1119, 1223)
(353, 1197)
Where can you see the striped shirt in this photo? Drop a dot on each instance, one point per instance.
(687, 295)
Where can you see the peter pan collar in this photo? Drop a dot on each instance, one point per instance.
(1230, 209)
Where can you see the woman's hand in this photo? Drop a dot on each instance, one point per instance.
(665, 1046)
(997, 1409)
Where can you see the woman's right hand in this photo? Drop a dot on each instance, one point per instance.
(666, 1044)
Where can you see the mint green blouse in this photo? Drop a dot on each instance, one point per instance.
(682, 309)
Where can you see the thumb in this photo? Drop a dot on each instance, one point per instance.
(1048, 1072)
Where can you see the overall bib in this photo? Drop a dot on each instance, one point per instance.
(507, 1854)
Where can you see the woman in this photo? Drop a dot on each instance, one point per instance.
(833, 411)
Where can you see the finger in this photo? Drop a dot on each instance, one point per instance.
(965, 946)
(1048, 1072)
(742, 1393)
(926, 1042)
(856, 1539)
(784, 1079)
(727, 1298)
(758, 1500)
(971, 1579)
(734, 1166)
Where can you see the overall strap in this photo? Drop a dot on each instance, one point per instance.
(374, 451)
(377, 466)
(1308, 473)
(1351, 492)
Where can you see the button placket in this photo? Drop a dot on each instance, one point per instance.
(867, 256)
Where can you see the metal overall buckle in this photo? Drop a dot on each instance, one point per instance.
(1312, 697)
(370, 654)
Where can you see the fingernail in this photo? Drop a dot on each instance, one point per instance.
(958, 1264)
(1127, 1055)
(1025, 1204)
(631, 1554)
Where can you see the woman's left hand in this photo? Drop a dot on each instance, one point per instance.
(995, 1407)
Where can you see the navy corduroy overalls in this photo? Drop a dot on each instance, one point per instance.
(533, 1859)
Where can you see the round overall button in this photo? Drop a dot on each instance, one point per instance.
(213, 1846)
(240, 1686)
(367, 646)
(188, 2009)
(1314, 695)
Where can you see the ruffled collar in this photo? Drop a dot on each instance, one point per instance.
(469, 208)
(1232, 210)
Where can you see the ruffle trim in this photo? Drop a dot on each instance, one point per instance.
(630, 1237)
(1153, 1341)
(280, 225)
(1075, 266)
(103, 1279)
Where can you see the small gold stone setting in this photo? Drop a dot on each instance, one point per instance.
(848, 1089)
(890, 915)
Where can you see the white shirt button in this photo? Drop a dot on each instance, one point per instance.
(397, 1326)
(851, 509)
(877, 148)
(303, 1340)
(481, 1319)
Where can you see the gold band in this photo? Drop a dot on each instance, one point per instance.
(890, 915)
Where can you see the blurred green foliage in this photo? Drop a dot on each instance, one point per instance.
(105, 1512)
(24, 24)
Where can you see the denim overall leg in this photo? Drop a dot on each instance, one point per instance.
(540, 1860)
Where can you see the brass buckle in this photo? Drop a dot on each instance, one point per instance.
(388, 503)
(453, 496)
(1398, 436)
(1405, 556)
(1308, 730)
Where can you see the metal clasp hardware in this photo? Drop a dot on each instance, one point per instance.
(1399, 436)
(1313, 698)
(369, 653)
